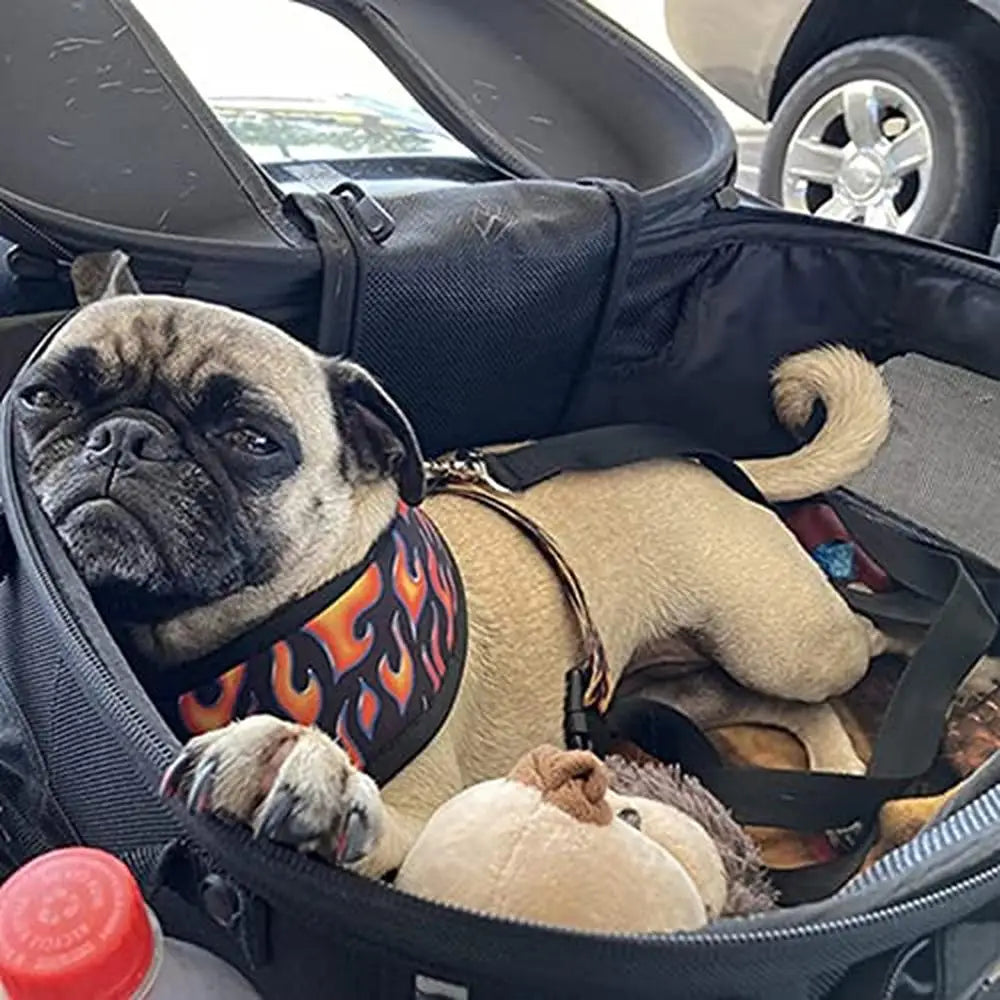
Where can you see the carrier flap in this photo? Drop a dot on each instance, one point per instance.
(108, 143)
(550, 88)
(104, 132)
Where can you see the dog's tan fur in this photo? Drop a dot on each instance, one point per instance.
(663, 549)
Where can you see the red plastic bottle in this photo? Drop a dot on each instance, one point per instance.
(74, 926)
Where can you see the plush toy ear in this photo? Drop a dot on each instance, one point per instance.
(379, 441)
(102, 276)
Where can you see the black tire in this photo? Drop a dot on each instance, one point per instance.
(960, 205)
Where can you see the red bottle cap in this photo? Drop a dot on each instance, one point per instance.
(73, 925)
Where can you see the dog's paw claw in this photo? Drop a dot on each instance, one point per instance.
(199, 797)
(277, 821)
(354, 838)
(174, 775)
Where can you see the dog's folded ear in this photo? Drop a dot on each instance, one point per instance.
(379, 441)
(102, 276)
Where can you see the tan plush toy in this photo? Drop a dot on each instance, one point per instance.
(552, 844)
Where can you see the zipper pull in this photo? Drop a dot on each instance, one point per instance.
(727, 197)
(367, 211)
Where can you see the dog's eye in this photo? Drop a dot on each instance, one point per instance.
(250, 441)
(632, 817)
(40, 397)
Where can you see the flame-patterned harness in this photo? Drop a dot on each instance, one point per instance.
(374, 658)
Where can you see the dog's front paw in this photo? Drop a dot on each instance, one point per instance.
(291, 783)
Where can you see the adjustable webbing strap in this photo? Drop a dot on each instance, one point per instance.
(939, 593)
(608, 448)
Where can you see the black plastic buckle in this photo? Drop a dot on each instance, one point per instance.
(847, 839)
(583, 727)
(370, 213)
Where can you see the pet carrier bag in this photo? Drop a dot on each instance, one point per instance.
(586, 277)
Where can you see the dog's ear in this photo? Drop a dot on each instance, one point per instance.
(379, 441)
(102, 276)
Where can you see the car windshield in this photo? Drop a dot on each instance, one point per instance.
(294, 85)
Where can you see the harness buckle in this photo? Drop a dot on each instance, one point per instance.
(468, 467)
(847, 838)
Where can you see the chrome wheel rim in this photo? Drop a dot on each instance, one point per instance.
(862, 153)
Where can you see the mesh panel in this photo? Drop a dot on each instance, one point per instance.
(32, 820)
(498, 289)
(658, 297)
(940, 467)
(98, 784)
(89, 772)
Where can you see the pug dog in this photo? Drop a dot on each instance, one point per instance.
(203, 469)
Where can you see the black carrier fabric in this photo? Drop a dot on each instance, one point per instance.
(514, 317)
(605, 275)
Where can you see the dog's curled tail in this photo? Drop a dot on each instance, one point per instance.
(857, 406)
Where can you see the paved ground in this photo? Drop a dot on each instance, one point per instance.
(272, 48)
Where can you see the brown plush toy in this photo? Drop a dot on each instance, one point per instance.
(552, 843)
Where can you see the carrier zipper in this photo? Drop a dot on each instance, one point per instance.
(688, 939)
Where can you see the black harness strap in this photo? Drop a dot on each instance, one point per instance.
(939, 593)
(608, 448)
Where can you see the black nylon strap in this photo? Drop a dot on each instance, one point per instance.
(939, 593)
(914, 722)
(900, 606)
(906, 745)
(608, 448)
(341, 259)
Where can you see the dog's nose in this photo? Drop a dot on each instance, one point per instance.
(125, 440)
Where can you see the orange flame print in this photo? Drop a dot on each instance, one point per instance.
(430, 671)
(440, 586)
(200, 718)
(398, 683)
(344, 739)
(437, 652)
(369, 708)
(336, 628)
(411, 590)
(434, 665)
(303, 706)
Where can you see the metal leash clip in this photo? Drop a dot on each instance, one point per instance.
(466, 467)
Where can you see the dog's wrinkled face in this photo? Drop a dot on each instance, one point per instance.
(187, 454)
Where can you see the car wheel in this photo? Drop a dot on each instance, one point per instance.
(891, 133)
